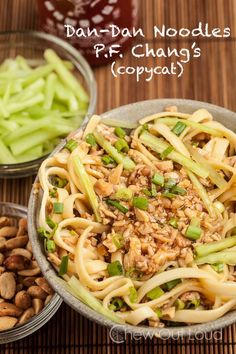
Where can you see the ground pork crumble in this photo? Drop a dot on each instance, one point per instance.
(149, 241)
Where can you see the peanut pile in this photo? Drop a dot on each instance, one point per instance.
(23, 290)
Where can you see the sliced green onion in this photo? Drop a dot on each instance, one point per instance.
(204, 250)
(108, 160)
(146, 192)
(168, 194)
(58, 208)
(218, 267)
(63, 265)
(166, 152)
(144, 128)
(179, 128)
(119, 132)
(53, 193)
(133, 296)
(116, 304)
(140, 203)
(193, 232)
(170, 183)
(115, 268)
(124, 194)
(158, 312)
(71, 145)
(118, 240)
(50, 222)
(171, 284)
(58, 182)
(193, 304)
(90, 139)
(178, 190)
(158, 179)
(50, 246)
(153, 190)
(43, 233)
(179, 304)
(122, 145)
(173, 222)
(112, 151)
(117, 205)
(155, 293)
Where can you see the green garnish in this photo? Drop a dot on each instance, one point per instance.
(121, 145)
(225, 257)
(108, 160)
(144, 127)
(133, 294)
(146, 192)
(71, 145)
(170, 183)
(43, 233)
(58, 208)
(173, 222)
(90, 139)
(117, 205)
(179, 128)
(158, 312)
(118, 240)
(218, 267)
(119, 132)
(168, 194)
(140, 203)
(50, 222)
(193, 304)
(166, 152)
(124, 194)
(50, 246)
(204, 250)
(171, 284)
(116, 304)
(193, 232)
(153, 190)
(158, 179)
(155, 293)
(53, 193)
(63, 265)
(179, 304)
(58, 182)
(178, 190)
(115, 268)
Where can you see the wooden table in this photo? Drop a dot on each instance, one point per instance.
(210, 78)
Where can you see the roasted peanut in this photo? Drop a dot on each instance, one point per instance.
(29, 247)
(30, 272)
(4, 221)
(7, 285)
(16, 262)
(7, 322)
(8, 231)
(21, 252)
(16, 242)
(42, 282)
(28, 281)
(48, 299)
(7, 309)
(22, 227)
(36, 292)
(23, 300)
(37, 305)
(2, 243)
(1, 258)
(26, 315)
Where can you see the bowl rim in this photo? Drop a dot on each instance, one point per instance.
(86, 72)
(50, 274)
(48, 311)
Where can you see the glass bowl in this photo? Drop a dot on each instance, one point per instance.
(31, 45)
(17, 211)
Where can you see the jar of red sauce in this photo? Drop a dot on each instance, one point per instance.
(90, 15)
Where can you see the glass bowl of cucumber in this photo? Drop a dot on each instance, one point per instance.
(47, 89)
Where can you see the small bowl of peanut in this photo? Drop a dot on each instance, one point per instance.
(27, 301)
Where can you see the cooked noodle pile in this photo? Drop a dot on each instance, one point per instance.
(141, 222)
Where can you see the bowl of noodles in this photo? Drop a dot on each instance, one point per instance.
(132, 218)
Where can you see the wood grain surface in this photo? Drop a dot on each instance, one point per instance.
(211, 78)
